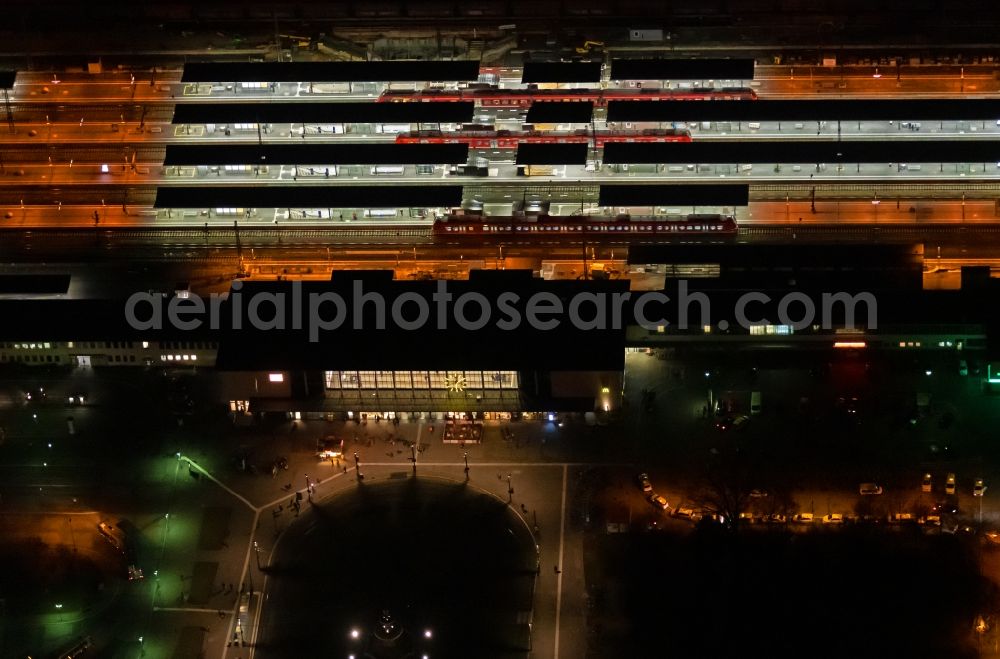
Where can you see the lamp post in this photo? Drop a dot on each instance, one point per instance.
(466, 458)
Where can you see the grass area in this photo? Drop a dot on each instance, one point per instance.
(851, 592)
(35, 577)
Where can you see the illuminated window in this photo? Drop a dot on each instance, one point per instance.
(145, 344)
(276, 377)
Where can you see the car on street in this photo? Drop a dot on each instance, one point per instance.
(804, 518)
(757, 493)
(833, 518)
(926, 483)
(644, 482)
(111, 535)
(978, 488)
(901, 518)
(658, 501)
(930, 520)
(736, 422)
(685, 513)
(868, 489)
(949, 484)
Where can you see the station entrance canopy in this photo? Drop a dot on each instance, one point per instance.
(395, 71)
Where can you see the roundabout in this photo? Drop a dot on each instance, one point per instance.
(407, 567)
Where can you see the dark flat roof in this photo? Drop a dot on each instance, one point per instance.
(316, 154)
(332, 196)
(558, 112)
(551, 154)
(398, 71)
(682, 69)
(7, 79)
(357, 344)
(806, 151)
(808, 110)
(34, 284)
(561, 72)
(681, 195)
(319, 113)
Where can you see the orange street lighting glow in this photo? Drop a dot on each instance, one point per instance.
(850, 344)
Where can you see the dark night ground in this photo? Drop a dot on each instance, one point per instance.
(437, 554)
(849, 592)
(35, 577)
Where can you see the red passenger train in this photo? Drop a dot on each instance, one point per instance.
(489, 138)
(621, 226)
(513, 98)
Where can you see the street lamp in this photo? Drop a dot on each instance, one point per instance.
(256, 550)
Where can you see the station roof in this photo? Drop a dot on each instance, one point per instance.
(315, 154)
(321, 113)
(551, 154)
(923, 109)
(884, 255)
(561, 72)
(805, 151)
(679, 195)
(357, 345)
(682, 69)
(559, 112)
(396, 71)
(7, 79)
(298, 196)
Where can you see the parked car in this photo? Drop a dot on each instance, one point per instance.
(925, 484)
(949, 484)
(833, 518)
(870, 489)
(946, 506)
(901, 518)
(978, 488)
(658, 501)
(685, 513)
(644, 482)
(804, 518)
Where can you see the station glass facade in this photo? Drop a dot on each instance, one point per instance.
(426, 380)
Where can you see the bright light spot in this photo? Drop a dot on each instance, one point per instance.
(104, 169)
(929, 372)
(355, 633)
(145, 344)
(276, 377)
(45, 464)
(427, 633)
(552, 417)
(50, 444)
(707, 374)
(58, 606)
(605, 390)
